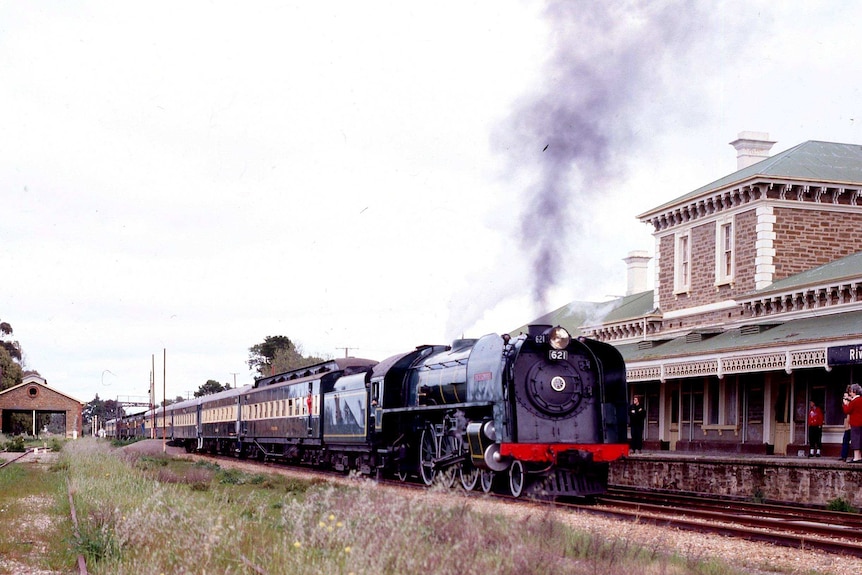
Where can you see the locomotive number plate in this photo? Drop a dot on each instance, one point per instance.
(558, 354)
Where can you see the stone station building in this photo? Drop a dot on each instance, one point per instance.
(757, 304)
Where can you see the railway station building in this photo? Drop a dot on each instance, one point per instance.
(39, 409)
(756, 307)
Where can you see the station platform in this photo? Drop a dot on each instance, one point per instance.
(767, 478)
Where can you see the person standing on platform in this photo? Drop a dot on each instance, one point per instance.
(853, 408)
(845, 439)
(637, 417)
(815, 430)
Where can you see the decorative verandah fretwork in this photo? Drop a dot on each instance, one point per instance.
(811, 298)
(719, 366)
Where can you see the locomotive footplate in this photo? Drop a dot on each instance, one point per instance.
(564, 454)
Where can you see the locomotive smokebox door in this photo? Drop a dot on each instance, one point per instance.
(554, 380)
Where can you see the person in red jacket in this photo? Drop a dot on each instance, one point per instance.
(853, 408)
(815, 430)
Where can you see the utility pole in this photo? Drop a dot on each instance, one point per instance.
(153, 396)
(164, 399)
(234, 374)
(346, 350)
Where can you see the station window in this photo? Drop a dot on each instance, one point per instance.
(682, 267)
(724, 251)
(722, 401)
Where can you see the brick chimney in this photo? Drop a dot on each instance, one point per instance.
(636, 278)
(751, 147)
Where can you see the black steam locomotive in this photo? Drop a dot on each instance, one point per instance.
(541, 413)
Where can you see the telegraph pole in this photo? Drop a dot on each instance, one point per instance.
(346, 350)
(153, 395)
(164, 399)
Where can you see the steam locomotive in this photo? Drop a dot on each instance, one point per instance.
(542, 413)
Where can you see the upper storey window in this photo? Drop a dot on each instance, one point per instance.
(682, 269)
(724, 251)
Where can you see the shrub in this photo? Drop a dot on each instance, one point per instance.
(841, 504)
(16, 444)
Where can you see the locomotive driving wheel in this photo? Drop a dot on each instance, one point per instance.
(486, 478)
(469, 476)
(517, 478)
(449, 445)
(428, 451)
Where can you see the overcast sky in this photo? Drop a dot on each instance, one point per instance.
(195, 176)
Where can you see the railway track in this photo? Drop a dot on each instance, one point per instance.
(23, 456)
(805, 528)
(32, 453)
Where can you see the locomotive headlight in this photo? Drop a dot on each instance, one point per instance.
(559, 338)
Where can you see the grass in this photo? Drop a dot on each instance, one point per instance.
(142, 515)
(33, 518)
(20, 443)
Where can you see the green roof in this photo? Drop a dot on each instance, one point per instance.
(575, 315)
(825, 162)
(815, 330)
(845, 268)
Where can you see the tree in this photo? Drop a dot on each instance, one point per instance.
(103, 409)
(278, 354)
(11, 373)
(210, 387)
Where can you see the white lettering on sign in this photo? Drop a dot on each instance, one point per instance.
(855, 353)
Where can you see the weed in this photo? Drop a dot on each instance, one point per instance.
(841, 504)
(16, 444)
(96, 540)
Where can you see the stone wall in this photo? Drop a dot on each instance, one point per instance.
(775, 480)
(805, 238)
(808, 238)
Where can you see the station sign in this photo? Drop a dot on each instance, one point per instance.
(844, 355)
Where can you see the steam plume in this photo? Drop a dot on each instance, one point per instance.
(603, 75)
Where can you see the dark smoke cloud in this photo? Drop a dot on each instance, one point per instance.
(603, 82)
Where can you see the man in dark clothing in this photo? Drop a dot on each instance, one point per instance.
(637, 416)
